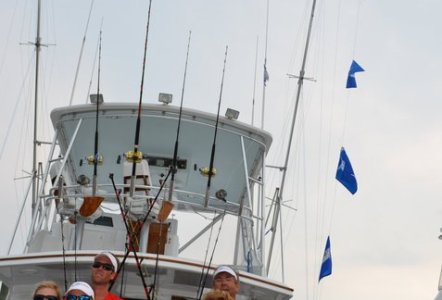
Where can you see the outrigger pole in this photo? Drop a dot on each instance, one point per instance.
(295, 112)
(37, 45)
(212, 155)
(173, 167)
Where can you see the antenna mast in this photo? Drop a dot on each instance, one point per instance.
(37, 45)
(295, 112)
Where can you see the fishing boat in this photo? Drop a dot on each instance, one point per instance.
(56, 217)
(141, 202)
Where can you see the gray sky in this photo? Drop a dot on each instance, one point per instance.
(384, 238)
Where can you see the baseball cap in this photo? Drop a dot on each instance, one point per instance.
(111, 257)
(82, 286)
(226, 269)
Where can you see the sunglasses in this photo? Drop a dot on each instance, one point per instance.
(73, 297)
(107, 267)
(43, 297)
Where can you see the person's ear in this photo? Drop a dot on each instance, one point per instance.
(113, 276)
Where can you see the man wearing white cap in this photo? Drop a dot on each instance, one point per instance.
(226, 279)
(79, 290)
(103, 272)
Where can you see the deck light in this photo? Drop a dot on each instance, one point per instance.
(94, 97)
(232, 114)
(165, 98)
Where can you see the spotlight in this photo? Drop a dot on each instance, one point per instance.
(165, 98)
(232, 114)
(95, 97)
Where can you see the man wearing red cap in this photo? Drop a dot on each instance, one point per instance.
(103, 272)
(226, 279)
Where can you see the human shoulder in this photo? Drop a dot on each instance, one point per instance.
(111, 296)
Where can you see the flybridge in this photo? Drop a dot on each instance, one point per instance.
(239, 158)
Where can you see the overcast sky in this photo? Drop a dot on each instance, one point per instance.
(384, 238)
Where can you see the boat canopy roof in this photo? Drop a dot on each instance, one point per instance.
(238, 160)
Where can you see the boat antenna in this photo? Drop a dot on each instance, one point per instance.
(137, 155)
(212, 155)
(131, 241)
(295, 111)
(175, 151)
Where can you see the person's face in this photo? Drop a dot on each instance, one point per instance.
(226, 282)
(103, 271)
(75, 293)
(46, 292)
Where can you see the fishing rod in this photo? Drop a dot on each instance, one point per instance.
(137, 156)
(175, 151)
(143, 221)
(94, 179)
(91, 203)
(210, 171)
(212, 155)
(117, 196)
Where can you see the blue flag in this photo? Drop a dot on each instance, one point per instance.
(351, 80)
(326, 267)
(345, 174)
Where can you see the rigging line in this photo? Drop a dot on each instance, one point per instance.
(7, 40)
(265, 66)
(138, 124)
(254, 81)
(125, 221)
(93, 69)
(144, 220)
(175, 151)
(357, 27)
(318, 217)
(348, 92)
(212, 155)
(12, 119)
(81, 53)
(200, 284)
(213, 252)
(323, 219)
